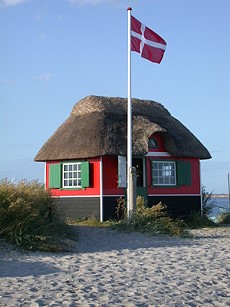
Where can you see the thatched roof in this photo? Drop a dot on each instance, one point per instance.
(98, 126)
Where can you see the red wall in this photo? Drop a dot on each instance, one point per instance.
(94, 188)
(110, 176)
(110, 179)
(194, 188)
(160, 143)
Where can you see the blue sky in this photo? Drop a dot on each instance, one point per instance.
(53, 53)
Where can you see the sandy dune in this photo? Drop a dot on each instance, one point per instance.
(110, 268)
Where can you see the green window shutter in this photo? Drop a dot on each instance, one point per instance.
(55, 176)
(85, 174)
(184, 173)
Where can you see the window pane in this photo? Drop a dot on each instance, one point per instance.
(155, 165)
(73, 173)
(153, 143)
(163, 173)
(160, 166)
(167, 181)
(65, 183)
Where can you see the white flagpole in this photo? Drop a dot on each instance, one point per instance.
(129, 122)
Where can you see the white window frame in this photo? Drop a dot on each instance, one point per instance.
(164, 173)
(71, 175)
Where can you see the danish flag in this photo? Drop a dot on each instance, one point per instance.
(146, 42)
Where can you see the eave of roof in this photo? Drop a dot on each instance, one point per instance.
(97, 126)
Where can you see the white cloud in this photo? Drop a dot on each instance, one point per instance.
(92, 2)
(46, 77)
(9, 82)
(11, 2)
(42, 37)
(116, 3)
(39, 16)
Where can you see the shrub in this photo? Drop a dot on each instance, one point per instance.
(121, 210)
(199, 220)
(154, 220)
(29, 216)
(223, 218)
(87, 222)
(196, 220)
(207, 202)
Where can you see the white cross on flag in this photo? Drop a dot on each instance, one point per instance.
(146, 42)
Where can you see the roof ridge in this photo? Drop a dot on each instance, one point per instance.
(118, 105)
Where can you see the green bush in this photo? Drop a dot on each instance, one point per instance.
(29, 216)
(208, 203)
(154, 220)
(223, 218)
(196, 220)
(121, 210)
(201, 219)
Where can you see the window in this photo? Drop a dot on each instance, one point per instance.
(69, 175)
(153, 143)
(72, 175)
(163, 173)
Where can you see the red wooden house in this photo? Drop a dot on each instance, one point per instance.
(86, 158)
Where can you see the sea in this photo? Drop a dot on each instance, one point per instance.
(220, 205)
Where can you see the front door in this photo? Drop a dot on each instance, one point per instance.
(139, 164)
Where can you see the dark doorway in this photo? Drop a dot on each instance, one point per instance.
(141, 189)
(138, 164)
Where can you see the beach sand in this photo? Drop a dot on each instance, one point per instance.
(110, 268)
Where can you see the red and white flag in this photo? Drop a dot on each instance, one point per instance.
(146, 42)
